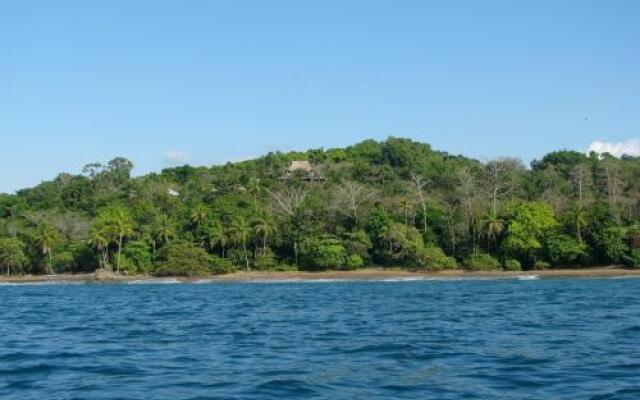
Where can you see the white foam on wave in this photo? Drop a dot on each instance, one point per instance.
(203, 281)
(297, 280)
(42, 283)
(528, 277)
(624, 277)
(153, 282)
(364, 279)
(405, 279)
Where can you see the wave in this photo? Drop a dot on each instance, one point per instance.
(623, 277)
(153, 282)
(528, 277)
(42, 283)
(298, 280)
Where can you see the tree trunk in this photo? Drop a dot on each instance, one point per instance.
(50, 262)
(494, 203)
(119, 252)
(246, 256)
(579, 231)
(424, 216)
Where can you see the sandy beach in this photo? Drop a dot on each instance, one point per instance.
(363, 274)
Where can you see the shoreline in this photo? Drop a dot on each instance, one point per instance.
(367, 274)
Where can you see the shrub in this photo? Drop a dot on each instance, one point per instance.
(284, 268)
(433, 258)
(541, 265)
(236, 257)
(266, 260)
(64, 261)
(219, 265)
(481, 262)
(355, 261)
(564, 250)
(512, 265)
(136, 258)
(322, 253)
(182, 259)
(613, 241)
(357, 243)
(633, 259)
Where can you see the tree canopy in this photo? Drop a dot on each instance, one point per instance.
(391, 203)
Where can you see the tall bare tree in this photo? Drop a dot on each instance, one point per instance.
(419, 185)
(581, 179)
(288, 200)
(499, 180)
(349, 197)
(467, 192)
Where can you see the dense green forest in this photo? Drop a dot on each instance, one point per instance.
(393, 203)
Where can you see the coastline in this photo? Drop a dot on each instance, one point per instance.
(362, 274)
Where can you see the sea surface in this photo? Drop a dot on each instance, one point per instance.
(393, 339)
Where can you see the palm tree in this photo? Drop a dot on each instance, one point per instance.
(199, 215)
(493, 228)
(240, 232)
(578, 218)
(164, 229)
(217, 236)
(122, 227)
(47, 237)
(405, 206)
(263, 227)
(253, 188)
(98, 238)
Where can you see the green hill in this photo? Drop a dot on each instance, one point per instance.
(391, 203)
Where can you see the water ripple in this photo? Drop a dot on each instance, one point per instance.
(520, 338)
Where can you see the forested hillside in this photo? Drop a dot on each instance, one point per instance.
(391, 203)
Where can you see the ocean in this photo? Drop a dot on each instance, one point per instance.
(393, 339)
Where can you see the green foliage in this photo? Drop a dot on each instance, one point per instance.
(613, 242)
(12, 256)
(266, 260)
(429, 209)
(318, 253)
(219, 265)
(565, 251)
(433, 258)
(354, 261)
(358, 243)
(633, 259)
(512, 265)
(183, 259)
(541, 265)
(530, 226)
(481, 262)
(64, 261)
(137, 258)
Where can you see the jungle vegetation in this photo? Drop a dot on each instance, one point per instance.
(391, 203)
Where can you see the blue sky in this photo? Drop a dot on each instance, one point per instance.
(206, 82)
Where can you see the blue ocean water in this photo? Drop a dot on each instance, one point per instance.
(457, 339)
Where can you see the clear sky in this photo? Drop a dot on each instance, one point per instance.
(204, 82)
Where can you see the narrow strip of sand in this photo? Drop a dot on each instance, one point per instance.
(363, 274)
